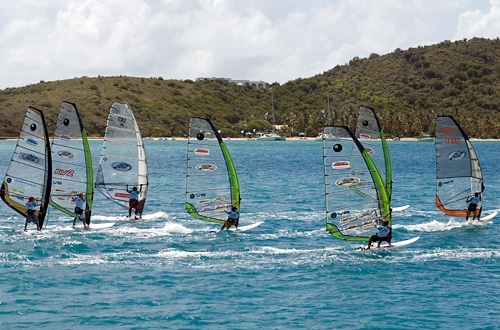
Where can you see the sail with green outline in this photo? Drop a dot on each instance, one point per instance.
(30, 168)
(123, 159)
(458, 172)
(370, 133)
(71, 162)
(355, 192)
(211, 180)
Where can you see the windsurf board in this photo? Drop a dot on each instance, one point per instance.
(483, 219)
(400, 208)
(392, 245)
(247, 227)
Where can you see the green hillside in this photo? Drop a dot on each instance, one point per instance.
(408, 89)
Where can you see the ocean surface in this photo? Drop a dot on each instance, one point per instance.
(169, 271)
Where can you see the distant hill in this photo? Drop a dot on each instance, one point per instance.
(407, 88)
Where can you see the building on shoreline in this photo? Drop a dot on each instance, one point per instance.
(240, 82)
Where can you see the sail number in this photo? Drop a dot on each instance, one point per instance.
(451, 140)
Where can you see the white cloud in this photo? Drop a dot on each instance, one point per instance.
(277, 40)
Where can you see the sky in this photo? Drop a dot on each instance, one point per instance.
(269, 40)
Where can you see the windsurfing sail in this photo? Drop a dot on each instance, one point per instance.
(123, 159)
(211, 180)
(355, 192)
(30, 168)
(458, 172)
(71, 162)
(371, 135)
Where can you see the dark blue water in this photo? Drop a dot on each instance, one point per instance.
(169, 271)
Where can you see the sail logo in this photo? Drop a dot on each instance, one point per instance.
(122, 121)
(57, 182)
(201, 152)
(65, 154)
(351, 181)
(121, 166)
(193, 196)
(60, 171)
(206, 167)
(342, 164)
(203, 201)
(441, 183)
(456, 155)
(121, 195)
(364, 136)
(65, 137)
(335, 214)
(448, 130)
(29, 157)
(31, 141)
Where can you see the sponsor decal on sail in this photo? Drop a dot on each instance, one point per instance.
(121, 166)
(29, 157)
(456, 155)
(206, 167)
(62, 172)
(338, 165)
(65, 154)
(351, 181)
(201, 152)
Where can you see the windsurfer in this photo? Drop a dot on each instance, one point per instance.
(383, 234)
(133, 202)
(473, 202)
(79, 208)
(31, 205)
(233, 218)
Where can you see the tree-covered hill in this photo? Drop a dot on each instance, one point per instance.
(407, 88)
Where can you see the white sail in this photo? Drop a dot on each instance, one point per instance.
(30, 168)
(123, 158)
(458, 172)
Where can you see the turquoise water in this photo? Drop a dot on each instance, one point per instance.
(168, 271)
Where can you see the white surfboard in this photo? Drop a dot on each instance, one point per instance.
(247, 227)
(394, 245)
(400, 208)
(489, 216)
(484, 219)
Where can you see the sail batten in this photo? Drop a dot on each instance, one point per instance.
(458, 171)
(30, 170)
(211, 181)
(123, 159)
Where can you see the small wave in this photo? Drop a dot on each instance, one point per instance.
(437, 226)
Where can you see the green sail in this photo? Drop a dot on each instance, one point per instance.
(211, 180)
(355, 192)
(71, 162)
